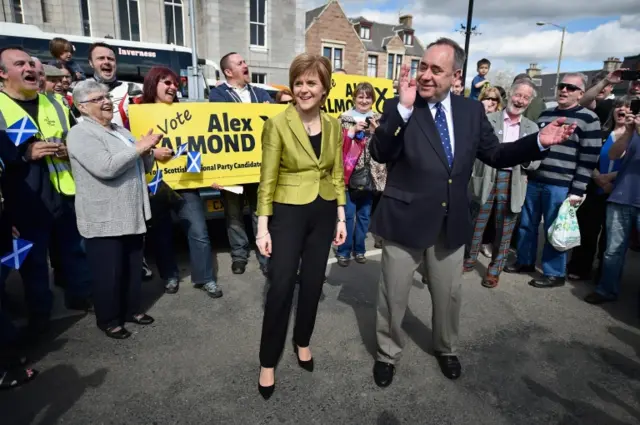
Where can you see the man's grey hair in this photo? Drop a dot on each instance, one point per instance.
(86, 87)
(458, 52)
(523, 82)
(577, 75)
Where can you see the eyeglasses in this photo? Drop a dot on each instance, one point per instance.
(569, 87)
(98, 99)
(170, 83)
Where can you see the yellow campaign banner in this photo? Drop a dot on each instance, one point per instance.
(343, 87)
(228, 135)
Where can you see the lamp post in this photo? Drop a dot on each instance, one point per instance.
(564, 30)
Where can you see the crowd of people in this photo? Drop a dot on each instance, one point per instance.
(75, 187)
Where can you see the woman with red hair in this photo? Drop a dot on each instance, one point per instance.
(161, 86)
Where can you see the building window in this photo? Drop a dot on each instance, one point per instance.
(415, 63)
(258, 22)
(394, 62)
(365, 33)
(258, 78)
(173, 22)
(16, 8)
(408, 39)
(129, 20)
(334, 54)
(372, 66)
(86, 18)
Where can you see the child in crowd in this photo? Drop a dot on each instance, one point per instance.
(480, 80)
(62, 51)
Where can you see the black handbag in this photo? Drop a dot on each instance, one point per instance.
(361, 180)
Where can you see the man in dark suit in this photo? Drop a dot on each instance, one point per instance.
(430, 139)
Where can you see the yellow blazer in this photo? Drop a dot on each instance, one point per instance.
(291, 173)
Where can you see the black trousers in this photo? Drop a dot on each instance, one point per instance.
(592, 216)
(300, 234)
(115, 264)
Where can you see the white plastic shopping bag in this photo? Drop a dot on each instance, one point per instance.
(564, 232)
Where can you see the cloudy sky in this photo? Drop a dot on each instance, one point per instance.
(509, 36)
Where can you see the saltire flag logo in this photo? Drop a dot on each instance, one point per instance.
(180, 150)
(20, 250)
(20, 131)
(194, 162)
(155, 182)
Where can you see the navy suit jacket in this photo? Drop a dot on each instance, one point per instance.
(224, 93)
(424, 196)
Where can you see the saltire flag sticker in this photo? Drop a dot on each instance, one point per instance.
(155, 182)
(20, 250)
(180, 151)
(20, 131)
(194, 162)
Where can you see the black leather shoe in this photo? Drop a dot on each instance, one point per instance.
(450, 366)
(520, 268)
(595, 299)
(547, 282)
(305, 364)
(383, 373)
(121, 333)
(266, 392)
(238, 267)
(144, 320)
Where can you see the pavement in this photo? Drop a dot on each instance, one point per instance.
(530, 356)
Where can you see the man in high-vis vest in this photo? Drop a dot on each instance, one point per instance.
(102, 58)
(39, 188)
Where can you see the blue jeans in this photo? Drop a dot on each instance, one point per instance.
(357, 213)
(620, 222)
(188, 207)
(234, 214)
(71, 261)
(542, 200)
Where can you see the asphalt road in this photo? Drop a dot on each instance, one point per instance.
(530, 356)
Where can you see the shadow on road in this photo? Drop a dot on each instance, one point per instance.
(52, 394)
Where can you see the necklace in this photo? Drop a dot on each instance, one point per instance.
(308, 125)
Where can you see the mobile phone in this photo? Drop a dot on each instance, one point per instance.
(368, 121)
(635, 106)
(630, 75)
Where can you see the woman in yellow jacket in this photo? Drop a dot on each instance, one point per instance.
(300, 207)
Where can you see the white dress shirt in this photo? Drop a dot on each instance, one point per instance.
(243, 93)
(446, 107)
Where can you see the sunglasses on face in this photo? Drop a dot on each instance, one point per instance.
(569, 87)
(98, 99)
(170, 83)
(493, 99)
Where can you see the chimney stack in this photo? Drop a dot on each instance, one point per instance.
(533, 71)
(611, 64)
(406, 20)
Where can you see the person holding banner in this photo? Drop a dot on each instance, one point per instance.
(300, 199)
(112, 206)
(161, 86)
(237, 89)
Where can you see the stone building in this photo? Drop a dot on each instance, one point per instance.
(269, 34)
(360, 46)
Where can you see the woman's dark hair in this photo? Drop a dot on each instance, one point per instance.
(284, 92)
(618, 102)
(366, 89)
(151, 80)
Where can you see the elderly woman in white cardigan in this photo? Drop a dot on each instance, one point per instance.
(112, 206)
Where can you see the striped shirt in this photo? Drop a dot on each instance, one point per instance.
(570, 164)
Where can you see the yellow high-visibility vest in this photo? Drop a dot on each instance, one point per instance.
(53, 124)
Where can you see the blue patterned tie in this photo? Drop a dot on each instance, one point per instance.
(443, 130)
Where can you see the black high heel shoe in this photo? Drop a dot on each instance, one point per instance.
(305, 364)
(266, 392)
